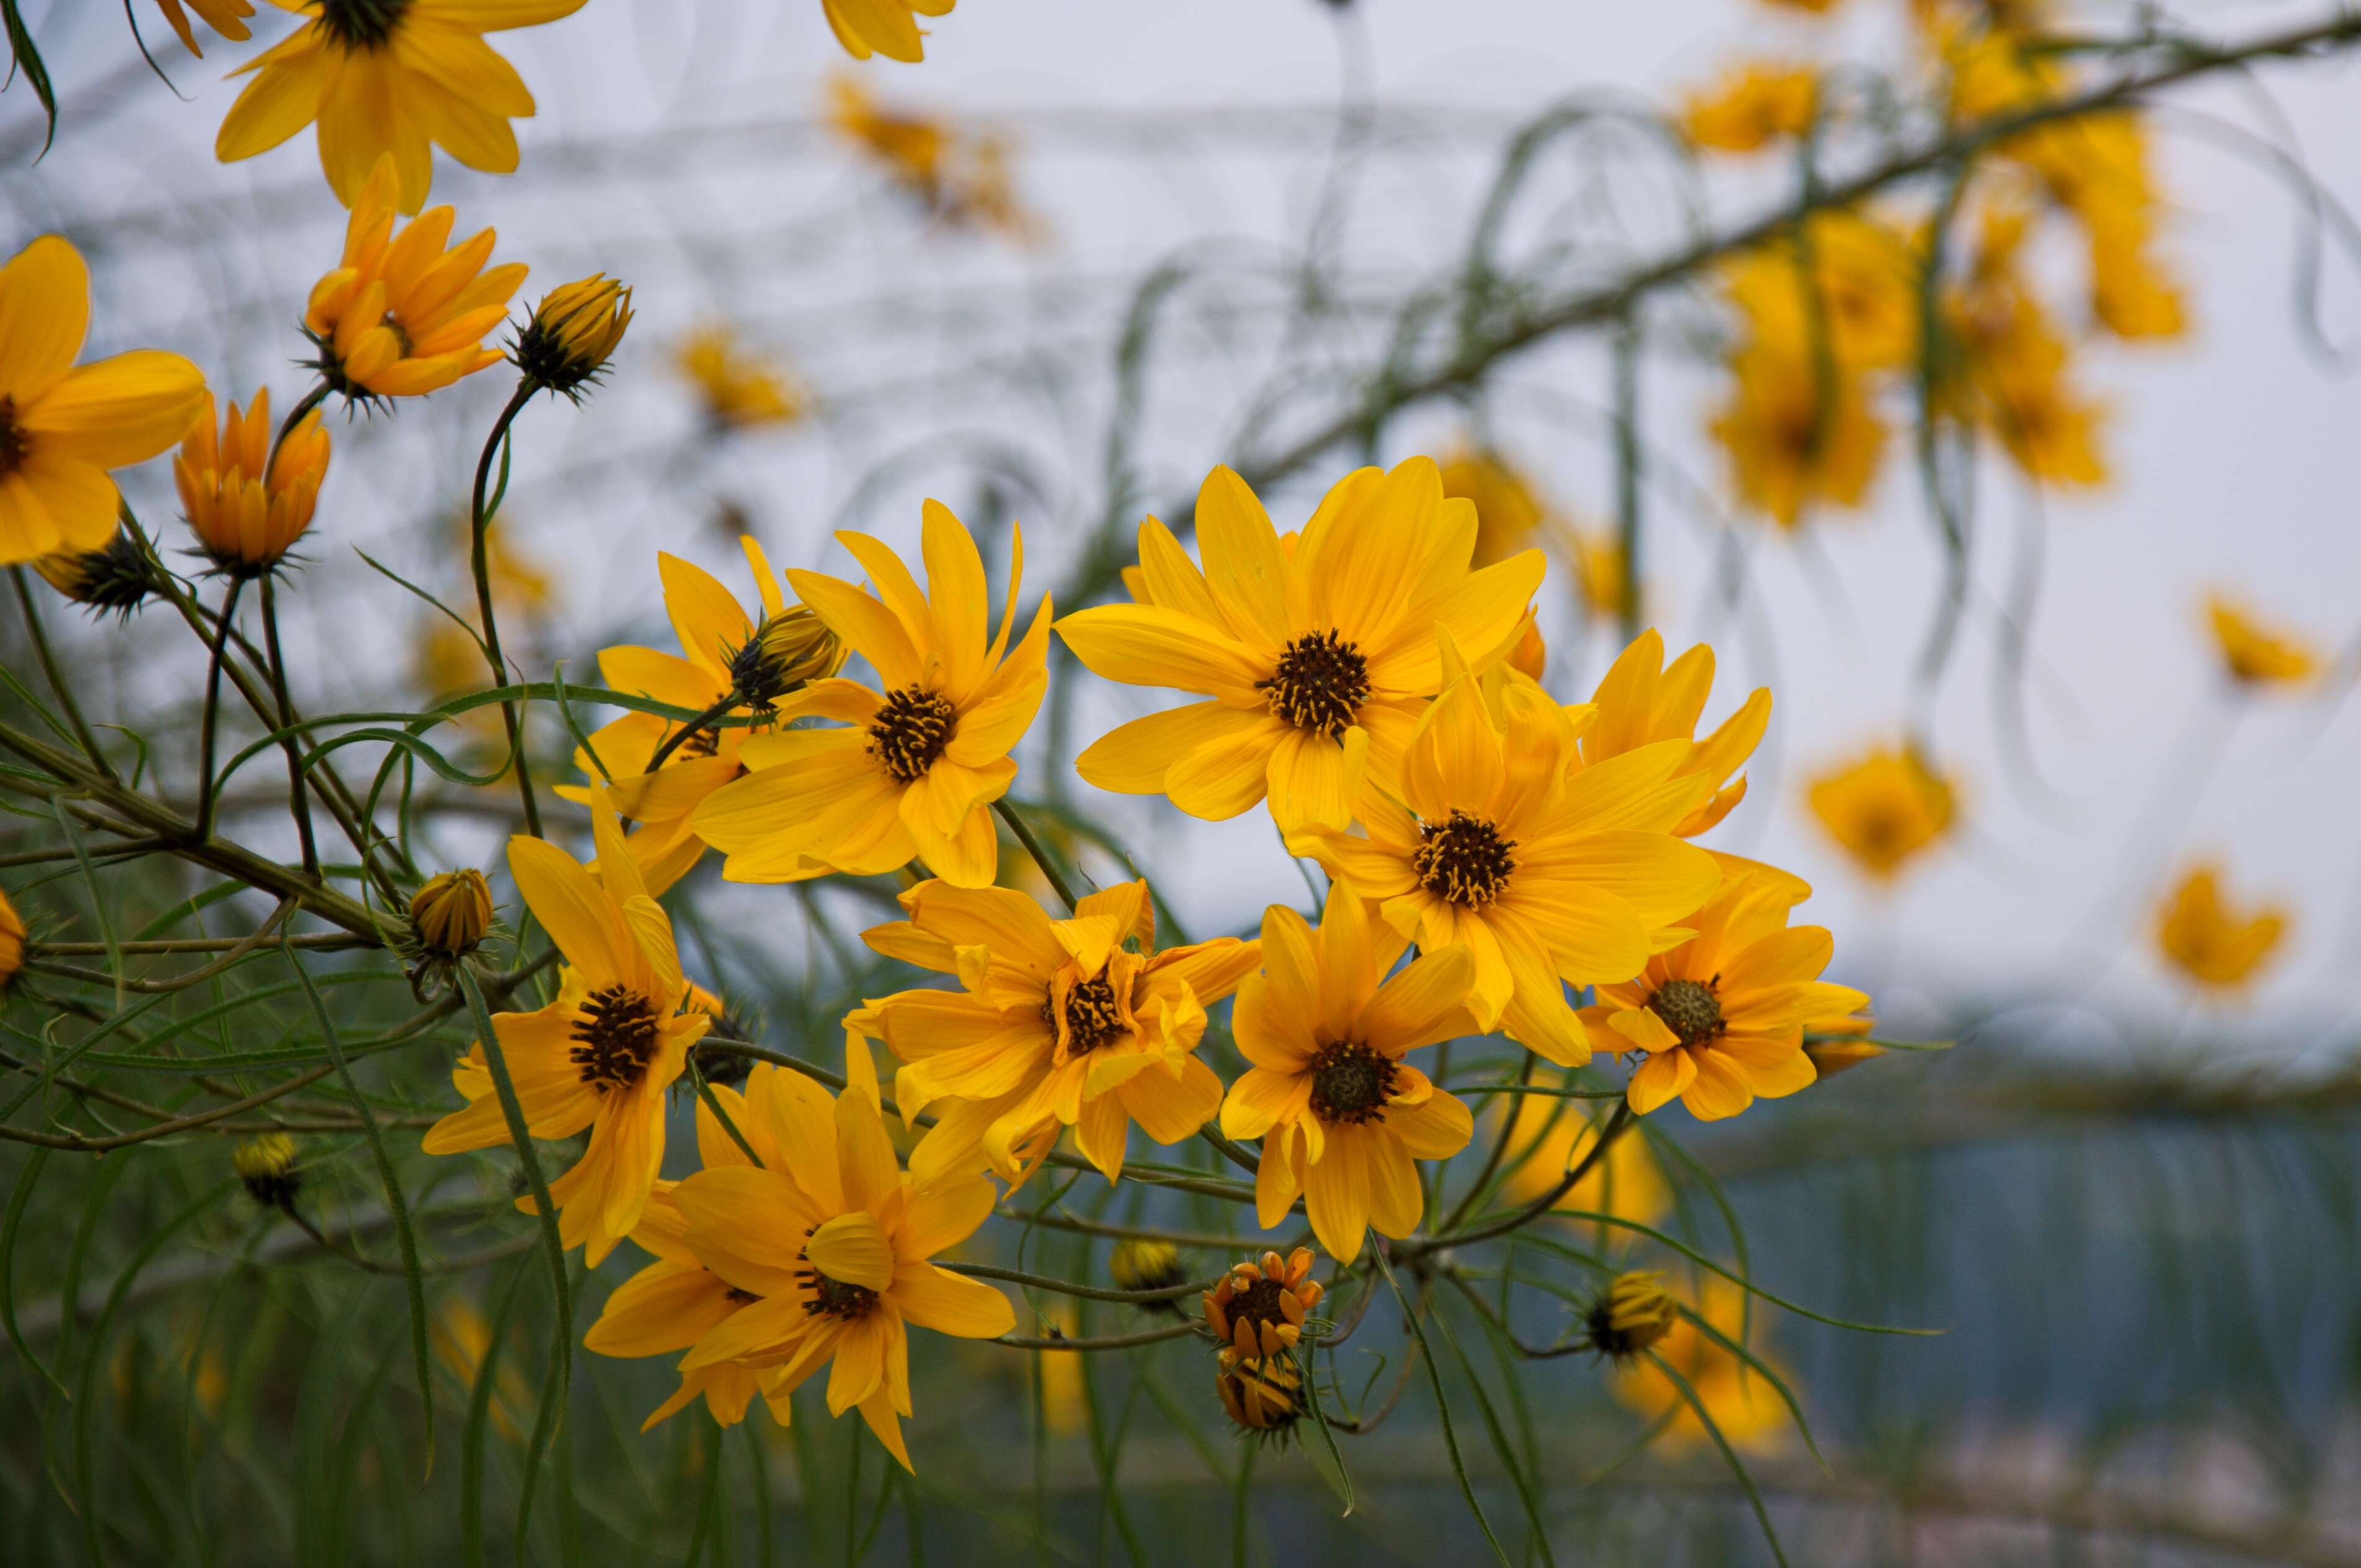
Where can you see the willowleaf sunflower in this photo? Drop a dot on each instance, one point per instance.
(889, 27)
(916, 771)
(600, 1055)
(1078, 1023)
(1642, 701)
(2204, 938)
(1317, 652)
(1342, 1118)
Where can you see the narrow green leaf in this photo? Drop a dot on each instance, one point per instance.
(19, 1196)
(1730, 1454)
(24, 57)
(1442, 1405)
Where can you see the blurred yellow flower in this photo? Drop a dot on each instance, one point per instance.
(2203, 938)
(1865, 315)
(1065, 1403)
(1884, 810)
(1549, 1137)
(1786, 450)
(2011, 372)
(63, 426)
(740, 388)
(1743, 1406)
(246, 505)
(402, 316)
(1315, 654)
(1599, 571)
(388, 80)
(224, 16)
(889, 27)
(1751, 106)
(462, 1337)
(266, 1167)
(2256, 654)
(961, 178)
(1509, 510)
(1632, 1315)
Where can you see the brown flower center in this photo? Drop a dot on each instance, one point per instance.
(832, 1297)
(615, 1037)
(1320, 684)
(912, 727)
(1350, 1082)
(361, 23)
(12, 438)
(1689, 1009)
(1258, 1302)
(1462, 858)
(1093, 1015)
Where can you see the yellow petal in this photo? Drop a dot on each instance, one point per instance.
(44, 313)
(851, 1249)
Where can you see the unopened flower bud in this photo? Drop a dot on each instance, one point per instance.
(1634, 1314)
(1144, 1266)
(267, 1165)
(574, 330)
(452, 913)
(1263, 1394)
(787, 651)
(115, 576)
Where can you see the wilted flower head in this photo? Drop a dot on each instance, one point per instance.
(267, 1165)
(574, 330)
(452, 913)
(247, 507)
(1631, 1315)
(115, 576)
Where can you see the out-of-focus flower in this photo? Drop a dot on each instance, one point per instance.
(265, 1165)
(63, 426)
(962, 178)
(1631, 1315)
(247, 506)
(573, 332)
(1259, 1306)
(1549, 1137)
(1139, 1265)
(1753, 106)
(916, 770)
(1600, 570)
(2010, 372)
(1885, 809)
(402, 316)
(1315, 654)
(889, 27)
(521, 582)
(1844, 287)
(12, 942)
(2216, 945)
(1328, 1084)
(740, 388)
(1796, 432)
(387, 81)
(2254, 653)
(1744, 1407)
(224, 16)
(1263, 1394)
(462, 1339)
(1720, 1020)
(1813, 8)
(1509, 509)
(452, 912)
(1065, 1402)
(1643, 702)
(116, 576)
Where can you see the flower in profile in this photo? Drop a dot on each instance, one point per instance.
(573, 332)
(1544, 870)
(116, 577)
(12, 942)
(1632, 1315)
(1259, 1308)
(387, 81)
(1078, 1023)
(2219, 946)
(889, 27)
(740, 388)
(724, 654)
(1509, 509)
(247, 504)
(915, 774)
(224, 16)
(1549, 1137)
(1744, 1407)
(63, 426)
(266, 1166)
(452, 912)
(912, 148)
(1884, 810)
(2258, 655)
(1263, 1394)
(404, 316)
(834, 1242)
(1316, 653)
(1342, 1116)
(1644, 702)
(1720, 1020)
(600, 1055)
(1753, 106)
(1790, 445)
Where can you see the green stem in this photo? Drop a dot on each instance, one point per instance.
(1627, 472)
(300, 794)
(81, 728)
(207, 725)
(479, 521)
(679, 737)
(1033, 847)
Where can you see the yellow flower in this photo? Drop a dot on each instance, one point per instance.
(599, 1056)
(1643, 702)
(1632, 1315)
(1137, 1264)
(1263, 1394)
(402, 316)
(1508, 511)
(224, 16)
(1259, 1308)
(452, 912)
(738, 389)
(116, 576)
(573, 332)
(889, 27)
(246, 506)
(2011, 372)
(462, 1338)
(1080, 1023)
(12, 942)
(1884, 810)
(1318, 653)
(2256, 654)
(62, 426)
(1549, 1137)
(1745, 1408)
(2211, 943)
(265, 1165)
(723, 652)
(1753, 107)
(388, 80)
(1866, 316)
(834, 1242)
(1722, 1017)
(1544, 870)
(1342, 1116)
(1600, 570)
(1786, 450)
(917, 771)
(911, 148)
